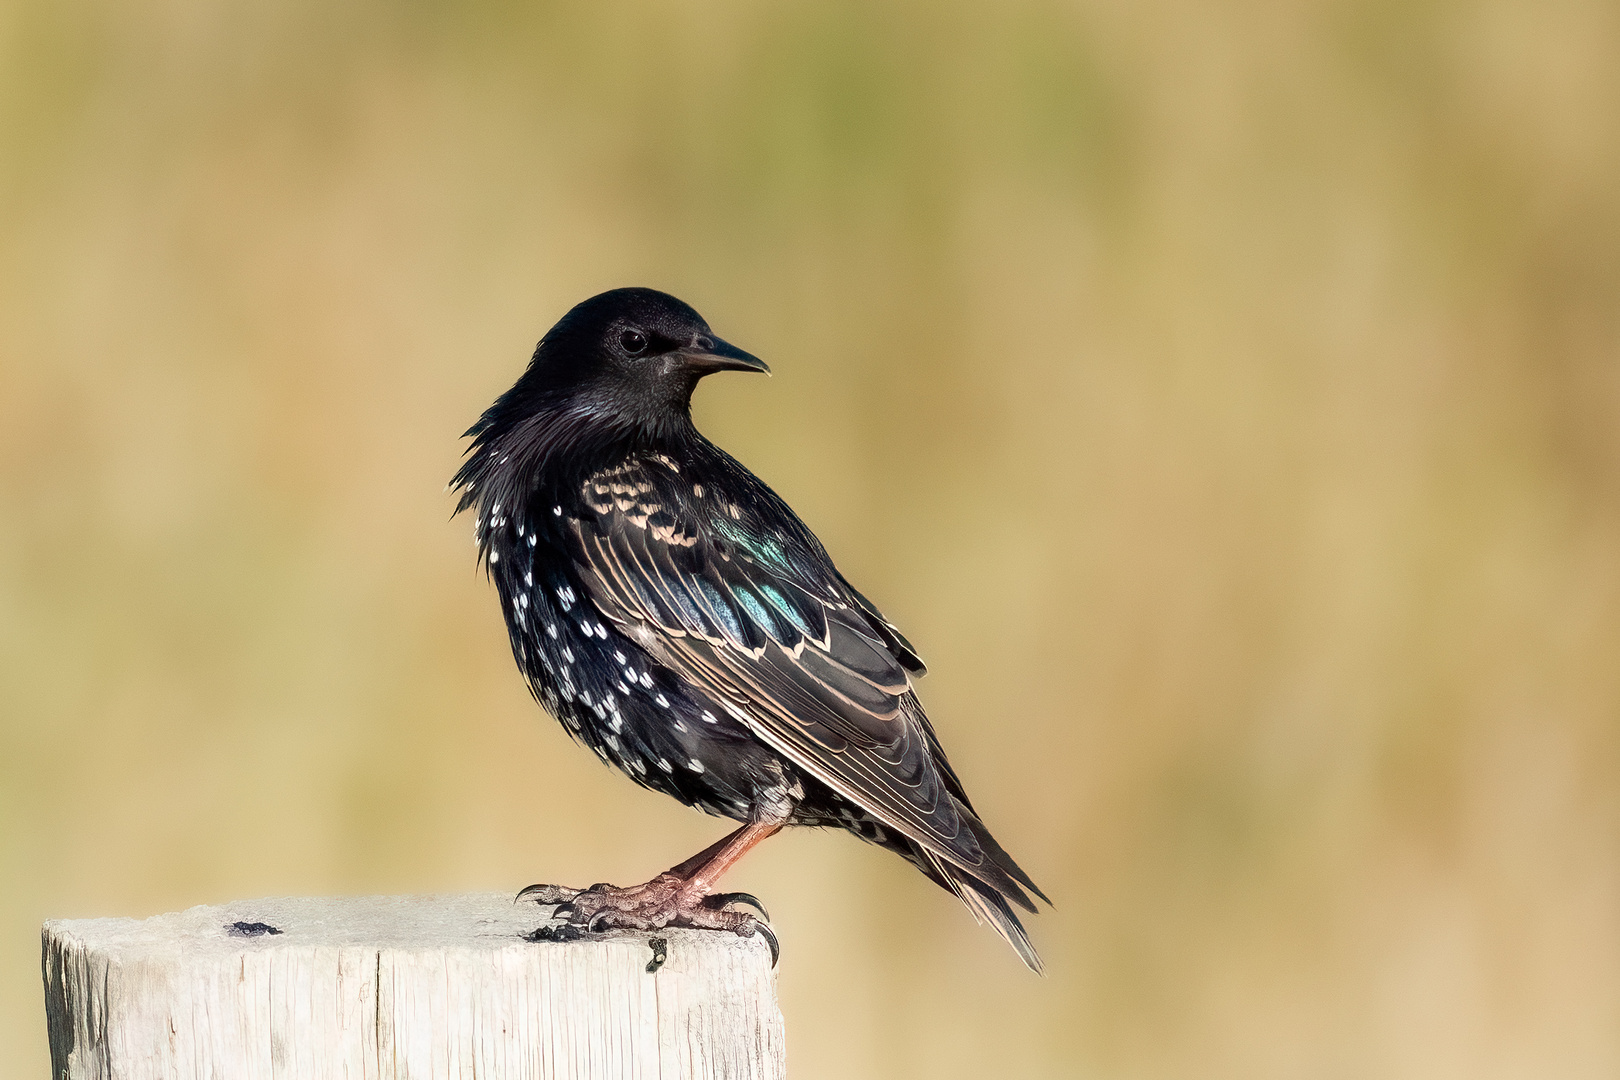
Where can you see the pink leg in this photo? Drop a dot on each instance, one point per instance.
(681, 896)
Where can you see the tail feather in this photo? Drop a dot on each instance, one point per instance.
(987, 906)
(988, 889)
(1005, 863)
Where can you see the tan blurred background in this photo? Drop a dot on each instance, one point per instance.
(1225, 398)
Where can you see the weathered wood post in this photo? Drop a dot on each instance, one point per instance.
(395, 986)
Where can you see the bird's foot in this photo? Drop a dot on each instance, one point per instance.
(666, 900)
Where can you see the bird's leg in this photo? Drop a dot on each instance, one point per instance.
(681, 896)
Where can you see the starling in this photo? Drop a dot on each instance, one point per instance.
(681, 621)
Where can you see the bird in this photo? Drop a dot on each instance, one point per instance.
(681, 621)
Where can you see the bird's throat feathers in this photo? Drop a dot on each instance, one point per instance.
(528, 447)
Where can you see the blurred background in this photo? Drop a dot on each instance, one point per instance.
(1224, 397)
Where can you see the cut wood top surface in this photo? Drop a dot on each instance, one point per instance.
(379, 986)
(472, 920)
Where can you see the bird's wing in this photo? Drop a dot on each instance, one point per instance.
(737, 607)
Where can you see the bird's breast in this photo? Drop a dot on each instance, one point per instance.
(602, 681)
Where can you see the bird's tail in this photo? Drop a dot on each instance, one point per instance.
(987, 905)
(991, 892)
(987, 880)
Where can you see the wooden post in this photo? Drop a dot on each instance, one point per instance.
(401, 986)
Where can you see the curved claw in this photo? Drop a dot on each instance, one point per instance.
(592, 927)
(726, 899)
(546, 894)
(770, 938)
(563, 910)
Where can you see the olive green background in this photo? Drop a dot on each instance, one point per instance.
(1224, 397)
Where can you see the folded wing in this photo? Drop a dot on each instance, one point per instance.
(764, 623)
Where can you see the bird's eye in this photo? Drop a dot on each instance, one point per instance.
(633, 342)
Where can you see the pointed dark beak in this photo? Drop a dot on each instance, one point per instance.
(708, 353)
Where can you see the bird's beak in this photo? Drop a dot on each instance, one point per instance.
(708, 353)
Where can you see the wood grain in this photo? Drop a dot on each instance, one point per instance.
(409, 987)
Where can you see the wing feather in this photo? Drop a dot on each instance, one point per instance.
(804, 660)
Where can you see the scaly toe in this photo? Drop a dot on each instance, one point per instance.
(609, 919)
(665, 901)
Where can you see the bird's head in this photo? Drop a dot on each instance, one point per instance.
(619, 367)
(634, 352)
